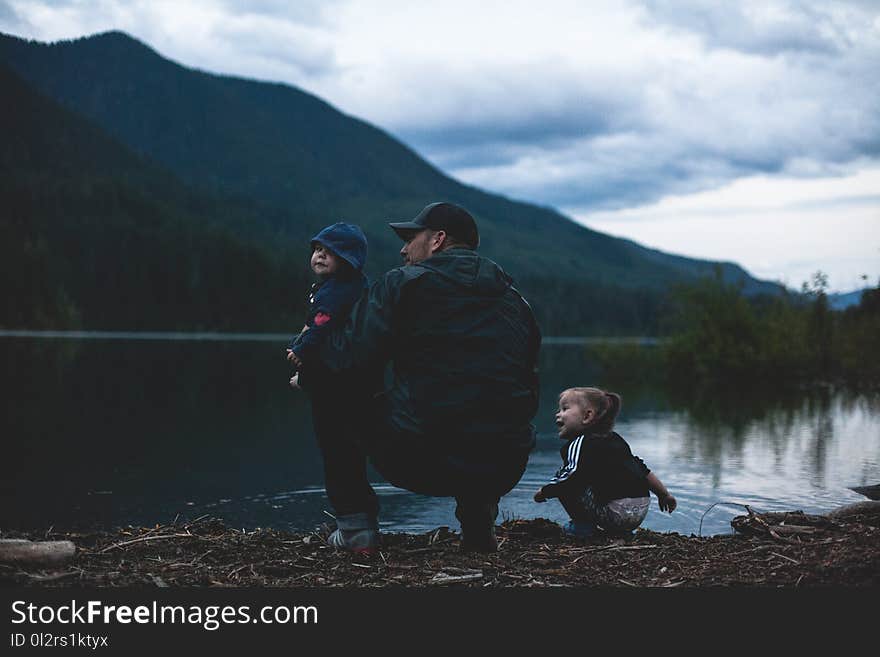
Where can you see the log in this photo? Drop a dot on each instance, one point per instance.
(857, 509)
(871, 492)
(47, 553)
(795, 518)
(793, 529)
(452, 575)
(444, 578)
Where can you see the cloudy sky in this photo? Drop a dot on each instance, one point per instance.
(745, 131)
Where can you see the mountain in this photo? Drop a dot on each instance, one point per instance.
(95, 236)
(844, 300)
(276, 164)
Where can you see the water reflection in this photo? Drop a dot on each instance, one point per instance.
(102, 433)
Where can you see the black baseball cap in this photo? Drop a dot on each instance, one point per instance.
(454, 220)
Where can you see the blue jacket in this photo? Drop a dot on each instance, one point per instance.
(331, 299)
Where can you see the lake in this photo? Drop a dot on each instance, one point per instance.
(99, 433)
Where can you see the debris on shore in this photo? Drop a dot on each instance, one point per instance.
(768, 550)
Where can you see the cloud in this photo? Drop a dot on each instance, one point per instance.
(859, 185)
(697, 131)
(261, 40)
(302, 11)
(268, 44)
(507, 113)
(8, 16)
(757, 27)
(605, 104)
(779, 228)
(610, 171)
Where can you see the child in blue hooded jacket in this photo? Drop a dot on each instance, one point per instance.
(339, 253)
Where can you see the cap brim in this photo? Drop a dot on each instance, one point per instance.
(403, 227)
(407, 225)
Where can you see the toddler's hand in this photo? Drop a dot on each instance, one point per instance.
(667, 503)
(539, 496)
(293, 358)
(294, 381)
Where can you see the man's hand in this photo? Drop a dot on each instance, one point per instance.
(539, 496)
(294, 381)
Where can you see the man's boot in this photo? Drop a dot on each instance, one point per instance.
(477, 520)
(357, 533)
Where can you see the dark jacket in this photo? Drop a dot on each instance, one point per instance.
(603, 462)
(464, 348)
(329, 304)
(331, 299)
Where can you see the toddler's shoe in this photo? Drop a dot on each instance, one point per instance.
(357, 533)
(579, 530)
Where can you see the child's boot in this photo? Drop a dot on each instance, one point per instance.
(357, 533)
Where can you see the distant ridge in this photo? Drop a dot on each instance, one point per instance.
(843, 300)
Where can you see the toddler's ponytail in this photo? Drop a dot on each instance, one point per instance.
(605, 422)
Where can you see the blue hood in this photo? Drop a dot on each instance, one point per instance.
(345, 240)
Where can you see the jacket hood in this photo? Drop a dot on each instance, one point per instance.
(467, 268)
(345, 240)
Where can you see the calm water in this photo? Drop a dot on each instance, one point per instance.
(116, 432)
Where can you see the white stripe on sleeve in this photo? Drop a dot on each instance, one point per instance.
(571, 461)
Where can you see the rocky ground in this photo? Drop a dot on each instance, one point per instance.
(770, 550)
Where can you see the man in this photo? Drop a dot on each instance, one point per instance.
(456, 418)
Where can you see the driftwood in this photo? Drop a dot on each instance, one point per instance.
(871, 492)
(796, 518)
(793, 529)
(798, 523)
(776, 525)
(48, 553)
(158, 537)
(857, 509)
(455, 576)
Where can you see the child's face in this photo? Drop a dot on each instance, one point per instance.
(573, 416)
(324, 262)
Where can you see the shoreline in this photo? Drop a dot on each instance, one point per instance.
(773, 550)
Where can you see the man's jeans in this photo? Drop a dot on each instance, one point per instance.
(347, 438)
